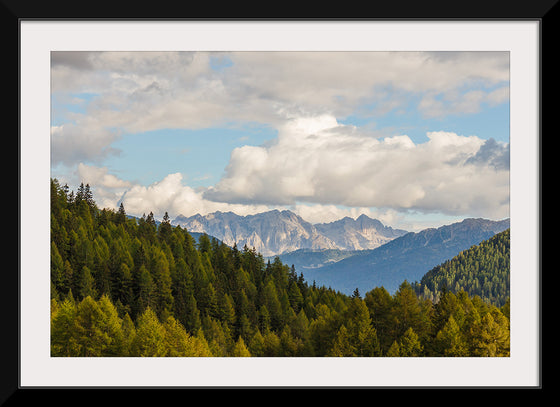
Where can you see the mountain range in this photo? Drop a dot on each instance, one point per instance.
(408, 257)
(277, 232)
(348, 253)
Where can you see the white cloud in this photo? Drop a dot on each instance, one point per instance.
(319, 161)
(71, 143)
(100, 177)
(319, 78)
(167, 195)
(315, 160)
(142, 91)
(435, 104)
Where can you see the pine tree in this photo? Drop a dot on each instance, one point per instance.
(394, 350)
(380, 303)
(192, 320)
(300, 326)
(63, 329)
(182, 290)
(68, 278)
(129, 333)
(263, 319)
(362, 335)
(341, 345)
(164, 229)
(150, 336)
(218, 336)
(272, 345)
(86, 284)
(490, 336)
(201, 347)
(226, 310)
(273, 305)
(121, 215)
(449, 340)
(112, 326)
(295, 296)
(407, 312)
(145, 297)
(177, 341)
(410, 345)
(163, 301)
(256, 345)
(88, 198)
(98, 328)
(240, 350)
(57, 270)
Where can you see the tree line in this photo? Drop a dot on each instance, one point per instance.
(124, 286)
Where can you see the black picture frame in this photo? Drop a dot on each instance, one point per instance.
(14, 11)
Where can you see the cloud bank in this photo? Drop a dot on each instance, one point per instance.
(316, 160)
(141, 91)
(318, 165)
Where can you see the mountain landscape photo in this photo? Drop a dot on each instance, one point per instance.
(279, 204)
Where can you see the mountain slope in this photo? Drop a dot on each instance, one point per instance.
(408, 257)
(482, 270)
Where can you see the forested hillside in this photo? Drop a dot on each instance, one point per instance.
(481, 270)
(407, 257)
(130, 287)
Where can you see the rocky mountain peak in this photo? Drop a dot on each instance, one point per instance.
(276, 232)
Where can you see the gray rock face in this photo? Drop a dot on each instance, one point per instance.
(270, 233)
(276, 232)
(360, 234)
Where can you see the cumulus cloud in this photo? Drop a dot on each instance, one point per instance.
(100, 176)
(316, 160)
(167, 195)
(172, 196)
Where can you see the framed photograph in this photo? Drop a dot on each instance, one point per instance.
(235, 199)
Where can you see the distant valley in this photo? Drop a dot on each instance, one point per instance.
(408, 257)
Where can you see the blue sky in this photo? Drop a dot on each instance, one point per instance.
(403, 137)
(491, 122)
(199, 154)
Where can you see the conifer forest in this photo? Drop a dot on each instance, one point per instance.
(125, 286)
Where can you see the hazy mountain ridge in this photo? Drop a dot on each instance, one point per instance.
(407, 257)
(303, 259)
